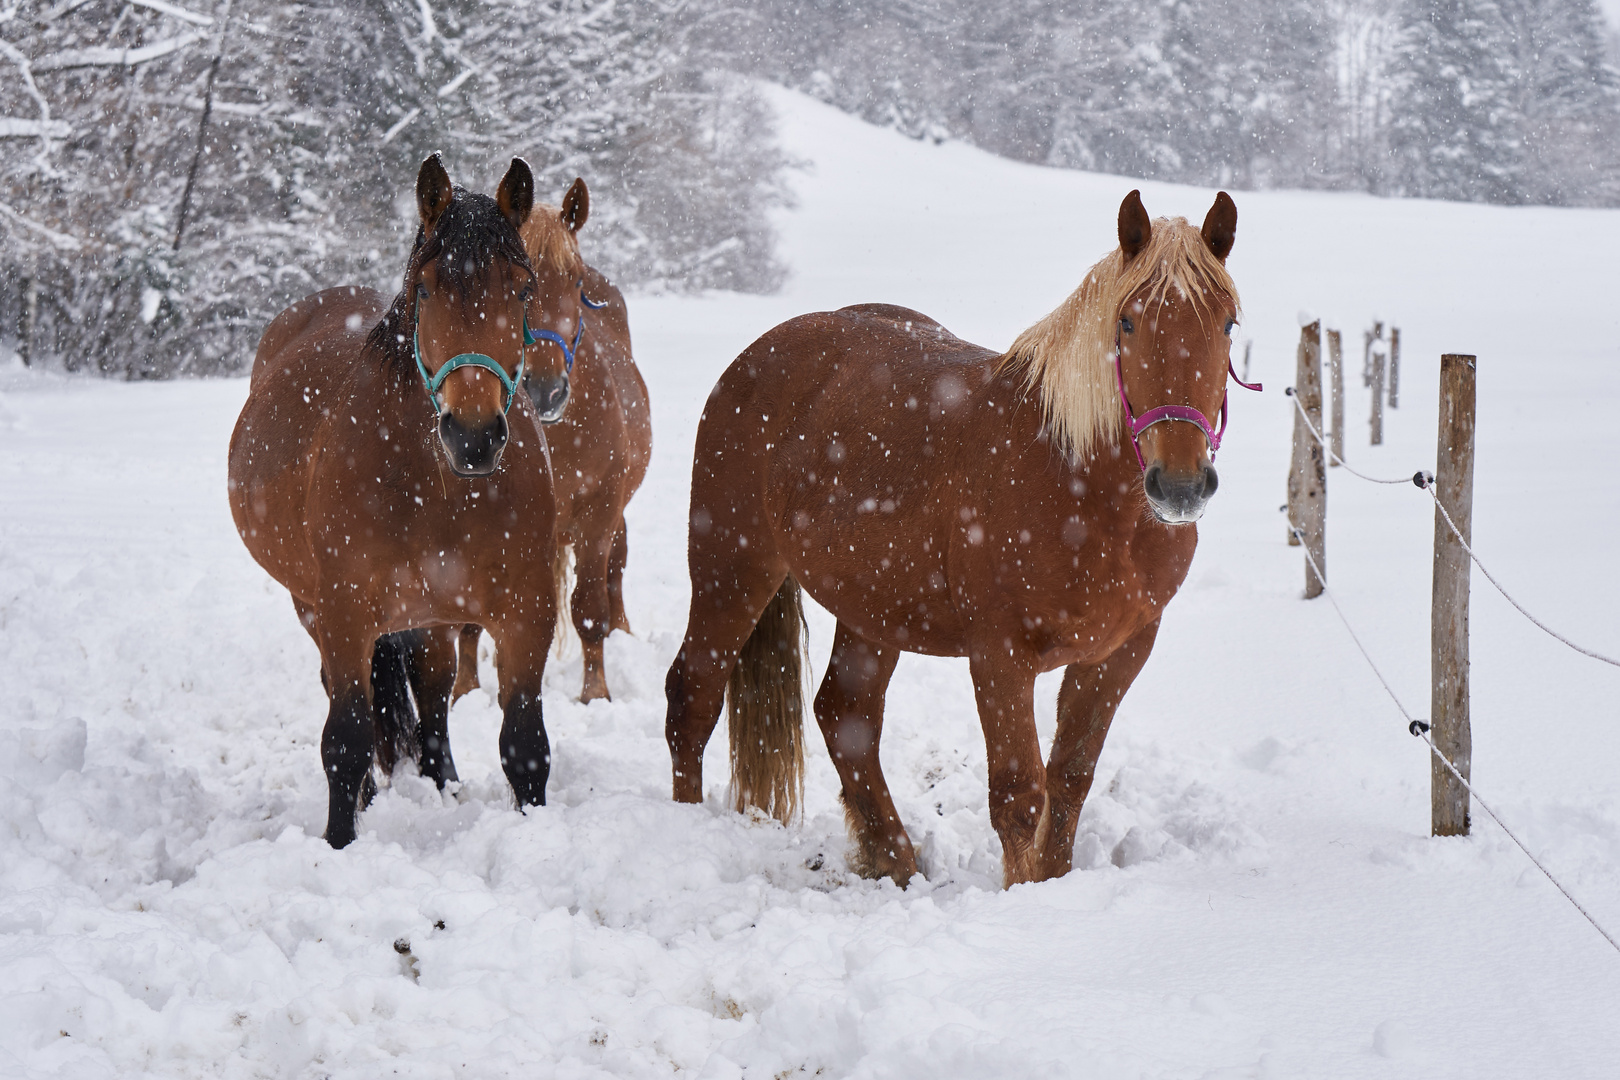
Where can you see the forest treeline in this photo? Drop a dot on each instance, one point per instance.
(176, 171)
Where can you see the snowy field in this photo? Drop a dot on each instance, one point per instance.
(1255, 893)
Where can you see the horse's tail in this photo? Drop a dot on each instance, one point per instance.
(562, 583)
(765, 709)
(393, 715)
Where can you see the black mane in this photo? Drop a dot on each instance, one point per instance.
(468, 237)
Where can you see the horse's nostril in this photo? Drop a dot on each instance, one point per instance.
(1211, 481)
(1152, 483)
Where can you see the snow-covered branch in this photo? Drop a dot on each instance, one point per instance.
(105, 56)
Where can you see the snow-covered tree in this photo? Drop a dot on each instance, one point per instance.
(1456, 131)
(291, 133)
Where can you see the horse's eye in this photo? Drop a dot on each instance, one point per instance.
(1126, 325)
(421, 291)
(1229, 324)
(526, 295)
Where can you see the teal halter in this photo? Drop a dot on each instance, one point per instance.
(467, 359)
(473, 359)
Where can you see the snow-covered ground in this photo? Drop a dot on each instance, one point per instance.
(1255, 893)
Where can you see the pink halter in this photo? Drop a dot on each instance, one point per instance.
(1185, 413)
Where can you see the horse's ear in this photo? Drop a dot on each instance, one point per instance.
(1220, 226)
(515, 196)
(432, 191)
(1135, 227)
(576, 206)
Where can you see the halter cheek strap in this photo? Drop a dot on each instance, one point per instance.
(1185, 413)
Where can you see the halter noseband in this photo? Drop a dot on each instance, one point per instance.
(1185, 413)
(509, 383)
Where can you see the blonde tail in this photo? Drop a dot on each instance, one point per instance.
(765, 710)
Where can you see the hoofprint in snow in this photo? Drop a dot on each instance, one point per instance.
(1254, 892)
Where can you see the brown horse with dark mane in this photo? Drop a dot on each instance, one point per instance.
(599, 448)
(373, 472)
(940, 498)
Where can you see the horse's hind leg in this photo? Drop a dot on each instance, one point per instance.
(466, 661)
(391, 707)
(433, 671)
(591, 605)
(727, 601)
(849, 708)
(617, 561)
(1086, 705)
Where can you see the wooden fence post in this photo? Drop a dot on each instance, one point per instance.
(1367, 339)
(1377, 418)
(1307, 480)
(1448, 626)
(1336, 377)
(1394, 367)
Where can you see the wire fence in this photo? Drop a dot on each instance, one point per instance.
(1419, 728)
(1425, 481)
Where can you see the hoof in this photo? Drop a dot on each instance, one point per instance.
(594, 690)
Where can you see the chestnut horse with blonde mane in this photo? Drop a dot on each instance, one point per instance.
(600, 447)
(374, 474)
(939, 498)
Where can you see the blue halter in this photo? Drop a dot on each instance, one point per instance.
(508, 383)
(531, 337)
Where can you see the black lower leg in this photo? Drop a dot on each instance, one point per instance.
(346, 752)
(432, 667)
(525, 750)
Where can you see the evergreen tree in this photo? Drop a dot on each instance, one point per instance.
(1456, 130)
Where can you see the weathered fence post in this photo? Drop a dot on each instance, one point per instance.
(1394, 367)
(1307, 480)
(1448, 627)
(1336, 377)
(1367, 339)
(1377, 418)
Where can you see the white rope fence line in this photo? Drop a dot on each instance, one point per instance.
(1317, 435)
(1438, 505)
(1425, 481)
(1421, 730)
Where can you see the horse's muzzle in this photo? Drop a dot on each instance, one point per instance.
(1179, 498)
(472, 451)
(549, 395)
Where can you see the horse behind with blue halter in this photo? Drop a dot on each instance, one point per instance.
(599, 449)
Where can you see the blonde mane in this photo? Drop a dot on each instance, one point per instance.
(1069, 355)
(551, 242)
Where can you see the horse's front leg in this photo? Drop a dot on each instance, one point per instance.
(348, 741)
(1086, 705)
(1004, 685)
(521, 645)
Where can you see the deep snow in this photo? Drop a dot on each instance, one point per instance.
(1254, 894)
